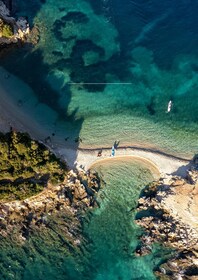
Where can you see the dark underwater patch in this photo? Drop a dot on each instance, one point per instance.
(57, 53)
(87, 75)
(150, 107)
(75, 17)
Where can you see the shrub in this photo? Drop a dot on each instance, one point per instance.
(5, 29)
(23, 161)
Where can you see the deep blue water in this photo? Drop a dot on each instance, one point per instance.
(127, 60)
(101, 45)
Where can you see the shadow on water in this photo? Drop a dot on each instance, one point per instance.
(51, 262)
(31, 68)
(27, 64)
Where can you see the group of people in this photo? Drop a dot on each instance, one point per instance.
(114, 147)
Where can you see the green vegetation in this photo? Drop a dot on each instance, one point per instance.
(5, 29)
(26, 166)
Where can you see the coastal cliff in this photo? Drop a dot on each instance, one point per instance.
(168, 211)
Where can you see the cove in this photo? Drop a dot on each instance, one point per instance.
(111, 229)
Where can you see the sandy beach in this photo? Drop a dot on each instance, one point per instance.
(12, 114)
(166, 165)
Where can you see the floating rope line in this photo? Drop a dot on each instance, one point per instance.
(99, 83)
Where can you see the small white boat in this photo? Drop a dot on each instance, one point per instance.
(170, 104)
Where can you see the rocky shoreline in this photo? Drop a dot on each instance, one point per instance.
(15, 30)
(168, 211)
(74, 195)
(50, 221)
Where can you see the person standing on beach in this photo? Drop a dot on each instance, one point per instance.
(113, 151)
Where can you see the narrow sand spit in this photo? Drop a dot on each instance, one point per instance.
(11, 114)
(166, 164)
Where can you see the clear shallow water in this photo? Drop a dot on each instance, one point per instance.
(142, 55)
(110, 231)
(111, 228)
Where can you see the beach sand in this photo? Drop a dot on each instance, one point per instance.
(165, 164)
(158, 162)
(12, 114)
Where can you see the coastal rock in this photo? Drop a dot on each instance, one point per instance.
(71, 196)
(195, 160)
(4, 11)
(192, 177)
(173, 221)
(12, 30)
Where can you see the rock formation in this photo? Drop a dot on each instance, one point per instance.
(168, 211)
(8, 4)
(53, 216)
(12, 30)
(75, 194)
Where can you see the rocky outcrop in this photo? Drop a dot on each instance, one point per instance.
(47, 227)
(73, 196)
(19, 30)
(168, 210)
(8, 4)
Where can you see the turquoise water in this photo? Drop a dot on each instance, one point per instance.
(109, 230)
(105, 70)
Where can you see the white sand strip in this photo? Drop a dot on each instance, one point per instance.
(11, 114)
(86, 158)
